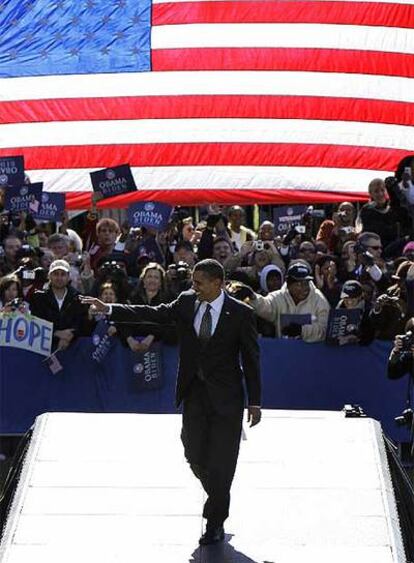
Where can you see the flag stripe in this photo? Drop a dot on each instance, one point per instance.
(365, 38)
(207, 131)
(220, 177)
(345, 13)
(305, 59)
(82, 200)
(210, 154)
(166, 107)
(210, 83)
(318, 2)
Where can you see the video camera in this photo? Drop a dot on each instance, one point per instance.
(181, 269)
(35, 275)
(367, 258)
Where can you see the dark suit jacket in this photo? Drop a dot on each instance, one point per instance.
(219, 359)
(72, 314)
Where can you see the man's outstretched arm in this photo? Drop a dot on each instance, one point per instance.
(164, 313)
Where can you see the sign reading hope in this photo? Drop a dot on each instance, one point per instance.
(26, 332)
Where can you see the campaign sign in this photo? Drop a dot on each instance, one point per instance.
(113, 181)
(51, 208)
(150, 247)
(150, 214)
(11, 170)
(343, 326)
(294, 319)
(101, 341)
(23, 198)
(26, 332)
(286, 217)
(146, 369)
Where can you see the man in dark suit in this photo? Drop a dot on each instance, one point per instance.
(214, 331)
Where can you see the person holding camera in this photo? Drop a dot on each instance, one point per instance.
(400, 361)
(370, 266)
(10, 289)
(334, 232)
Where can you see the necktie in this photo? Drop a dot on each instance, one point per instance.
(206, 324)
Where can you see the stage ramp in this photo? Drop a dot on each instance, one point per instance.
(310, 487)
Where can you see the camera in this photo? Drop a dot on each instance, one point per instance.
(111, 268)
(181, 269)
(406, 418)
(367, 258)
(26, 273)
(407, 342)
(260, 245)
(15, 304)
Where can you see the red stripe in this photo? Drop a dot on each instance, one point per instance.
(280, 11)
(303, 59)
(209, 154)
(82, 200)
(226, 106)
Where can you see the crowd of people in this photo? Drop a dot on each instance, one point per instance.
(353, 258)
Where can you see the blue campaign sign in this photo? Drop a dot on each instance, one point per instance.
(286, 217)
(51, 207)
(23, 198)
(101, 341)
(113, 181)
(149, 214)
(26, 332)
(11, 170)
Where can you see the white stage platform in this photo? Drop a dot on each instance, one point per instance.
(310, 487)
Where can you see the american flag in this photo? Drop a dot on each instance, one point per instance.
(224, 101)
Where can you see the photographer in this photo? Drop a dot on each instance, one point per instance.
(401, 358)
(10, 289)
(178, 278)
(113, 269)
(258, 254)
(369, 263)
(216, 227)
(334, 232)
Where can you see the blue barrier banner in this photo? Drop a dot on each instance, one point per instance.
(296, 375)
(26, 332)
(145, 370)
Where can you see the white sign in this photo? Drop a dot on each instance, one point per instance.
(26, 332)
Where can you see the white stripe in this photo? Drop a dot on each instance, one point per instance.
(207, 131)
(315, 1)
(220, 177)
(318, 36)
(209, 82)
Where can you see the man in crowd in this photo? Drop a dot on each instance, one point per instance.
(107, 231)
(11, 245)
(298, 296)
(214, 331)
(60, 305)
(239, 234)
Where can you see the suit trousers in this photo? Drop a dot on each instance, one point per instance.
(211, 439)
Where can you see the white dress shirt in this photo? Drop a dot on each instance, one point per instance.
(216, 307)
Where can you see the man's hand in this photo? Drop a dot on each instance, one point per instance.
(65, 334)
(254, 415)
(96, 305)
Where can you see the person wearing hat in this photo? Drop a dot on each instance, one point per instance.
(60, 305)
(352, 297)
(297, 296)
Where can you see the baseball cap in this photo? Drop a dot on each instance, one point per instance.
(351, 288)
(299, 272)
(59, 265)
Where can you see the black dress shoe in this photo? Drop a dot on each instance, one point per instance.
(212, 535)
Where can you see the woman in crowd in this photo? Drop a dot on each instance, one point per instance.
(326, 278)
(10, 288)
